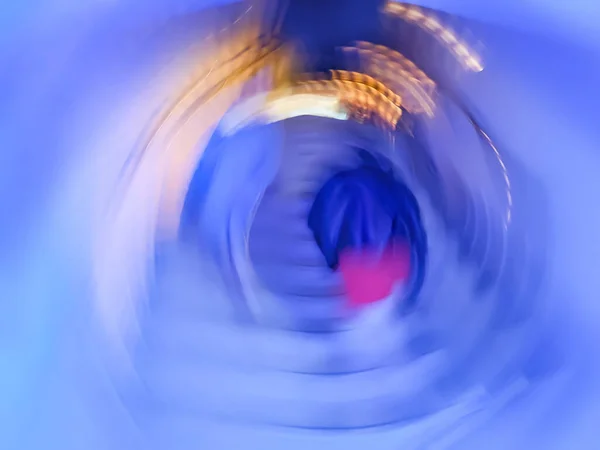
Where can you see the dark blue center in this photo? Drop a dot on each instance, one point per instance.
(368, 207)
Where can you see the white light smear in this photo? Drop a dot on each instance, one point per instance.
(260, 108)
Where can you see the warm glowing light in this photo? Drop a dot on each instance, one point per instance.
(415, 15)
(399, 74)
(364, 96)
(281, 106)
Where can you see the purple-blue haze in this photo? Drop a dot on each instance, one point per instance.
(222, 336)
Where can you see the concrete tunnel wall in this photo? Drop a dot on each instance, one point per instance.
(537, 96)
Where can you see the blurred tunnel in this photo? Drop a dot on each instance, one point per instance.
(190, 189)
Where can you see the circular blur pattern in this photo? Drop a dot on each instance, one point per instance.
(359, 252)
(295, 230)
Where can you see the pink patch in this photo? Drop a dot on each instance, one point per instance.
(368, 277)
